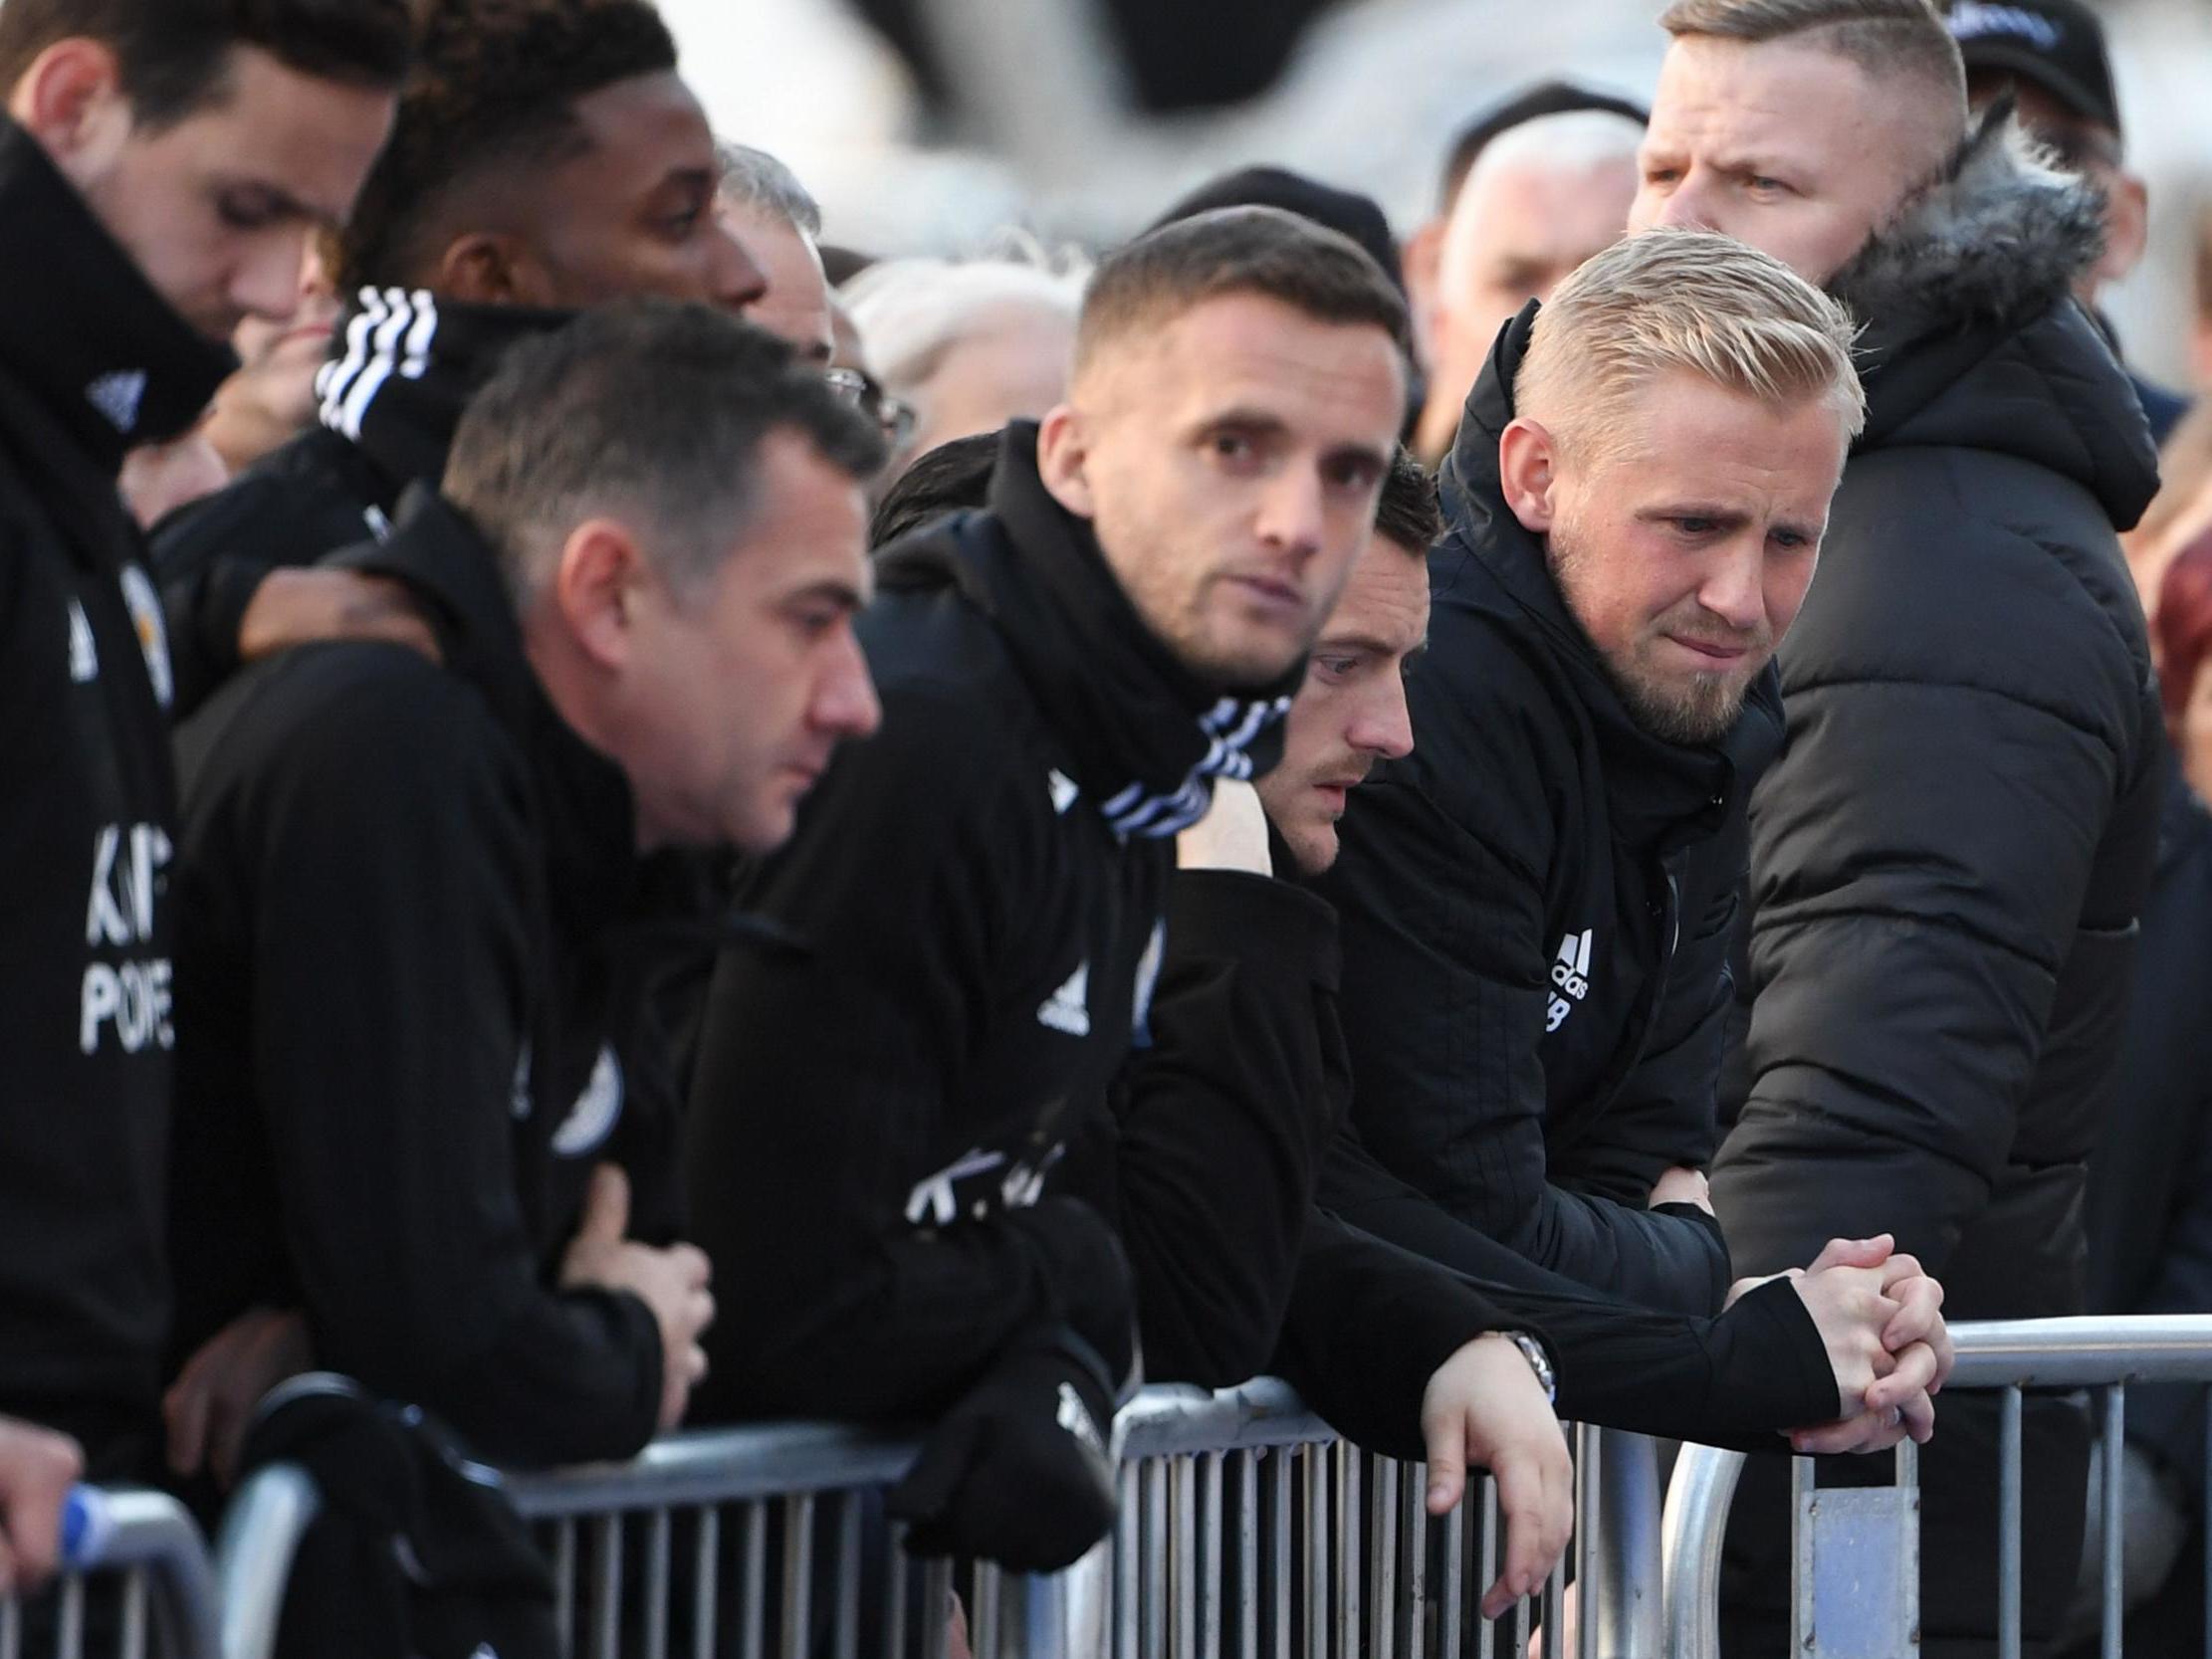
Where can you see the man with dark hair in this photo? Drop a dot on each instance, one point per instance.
(1950, 855)
(413, 892)
(159, 163)
(546, 157)
(980, 890)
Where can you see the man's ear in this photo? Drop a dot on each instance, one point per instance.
(2126, 226)
(599, 587)
(488, 267)
(1063, 460)
(71, 100)
(1528, 465)
(1421, 258)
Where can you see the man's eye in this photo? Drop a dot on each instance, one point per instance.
(245, 213)
(1694, 526)
(1232, 446)
(1767, 186)
(1337, 668)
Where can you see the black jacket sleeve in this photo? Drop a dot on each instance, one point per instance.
(1445, 987)
(828, 1074)
(1731, 1380)
(1220, 1124)
(384, 866)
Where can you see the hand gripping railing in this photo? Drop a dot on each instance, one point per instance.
(2005, 1357)
(143, 1548)
(1246, 1529)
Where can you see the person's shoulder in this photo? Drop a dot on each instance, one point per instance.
(373, 722)
(292, 507)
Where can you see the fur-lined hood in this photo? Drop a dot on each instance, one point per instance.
(1999, 239)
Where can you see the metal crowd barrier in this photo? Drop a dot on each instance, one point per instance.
(137, 1580)
(1858, 1554)
(1246, 1529)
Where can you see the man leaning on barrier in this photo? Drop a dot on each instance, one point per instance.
(417, 900)
(979, 895)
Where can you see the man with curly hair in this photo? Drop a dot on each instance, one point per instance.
(546, 157)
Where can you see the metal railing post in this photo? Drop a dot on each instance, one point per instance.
(1621, 1598)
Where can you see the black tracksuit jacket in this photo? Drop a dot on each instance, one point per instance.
(407, 895)
(1218, 1130)
(405, 364)
(1535, 906)
(91, 359)
(979, 889)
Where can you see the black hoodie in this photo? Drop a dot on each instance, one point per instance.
(1535, 909)
(92, 361)
(403, 886)
(980, 891)
(389, 399)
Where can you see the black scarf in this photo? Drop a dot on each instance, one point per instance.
(1147, 739)
(92, 360)
(404, 365)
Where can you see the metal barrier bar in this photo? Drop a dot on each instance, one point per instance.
(148, 1546)
(2004, 1357)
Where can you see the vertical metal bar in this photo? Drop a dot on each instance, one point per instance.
(1151, 1480)
(1555, 1612)
(658, 1547)
(1248, 1555)
(1183, 1556)
(1128, 1547)
(897, 1569)
(983, 1611)
(1452, 1593)
(606, 1588)
(1210, 1535)
(705, 1570)
(565, 1587)
(69, 1643)
(11, 1628)
(1418, 1590)
(1486, 1571)
(1803, 1543)
(1347, 1554)
(1520, 1628)
(1316, 1461)
(1278, 1548)
(937, 1608)
(134, 1613)
(1382, 1552)
(2115, 1424)
(756, 1587)
(2008, 1525)
(1590, 1523)
(848, 1577)
(798, 1575)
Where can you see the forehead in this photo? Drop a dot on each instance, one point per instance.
(786, 259)
(1385, 601)
(640, 129)
(1768, 97)
(1691, 441)
(1244, 351)
(1531, 209)
(308, 139)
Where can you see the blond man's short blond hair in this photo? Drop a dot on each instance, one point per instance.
(1683, 300)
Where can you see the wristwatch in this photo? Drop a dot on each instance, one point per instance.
(1538, 1361)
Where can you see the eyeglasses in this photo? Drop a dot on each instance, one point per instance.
(894, 416)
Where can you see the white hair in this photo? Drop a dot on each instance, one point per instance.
(1574, 140)
(911, 311)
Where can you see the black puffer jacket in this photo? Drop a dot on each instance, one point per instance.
(1535, 909)
(1948, 861)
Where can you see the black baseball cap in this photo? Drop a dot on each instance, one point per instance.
(1545, 98)
(2057, 46)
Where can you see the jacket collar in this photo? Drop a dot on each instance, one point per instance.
(1146, 738)
(101, 360)
(406, 363)
(590, 818)
(1656, 789)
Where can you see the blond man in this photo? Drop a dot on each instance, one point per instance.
(1536, 901)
